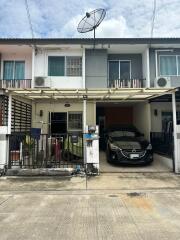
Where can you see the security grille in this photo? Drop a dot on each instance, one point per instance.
(73, 66)
(21, 116)
(3, 110)
(74, 121)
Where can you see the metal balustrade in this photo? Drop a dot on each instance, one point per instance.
(126, 83)
(15, 83)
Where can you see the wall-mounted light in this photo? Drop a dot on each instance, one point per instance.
(41, 113)
(155, 112)
(67, 104)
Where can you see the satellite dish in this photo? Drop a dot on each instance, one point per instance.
(91, 21)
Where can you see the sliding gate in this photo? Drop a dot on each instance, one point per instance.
(43, 151)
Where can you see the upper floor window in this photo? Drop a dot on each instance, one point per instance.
(119, 69)
(169, 65)
(64, 66)
(14, 70)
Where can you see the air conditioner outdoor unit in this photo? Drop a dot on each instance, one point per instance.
(39, 82)
(163, 82)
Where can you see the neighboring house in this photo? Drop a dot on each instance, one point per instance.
(48, 79)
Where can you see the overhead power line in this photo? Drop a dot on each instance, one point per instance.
(153, 18)
(29, 18)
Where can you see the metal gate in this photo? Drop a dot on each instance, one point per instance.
(44, 151)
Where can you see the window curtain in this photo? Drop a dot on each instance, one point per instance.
(56, 66)
(8, 70)
(19, 73)
(168, 65)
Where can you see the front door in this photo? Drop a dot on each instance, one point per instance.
(58, 122)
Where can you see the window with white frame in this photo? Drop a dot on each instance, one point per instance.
(14, 70)
(119, 69)
(74, 121)
(169, 65)
(64, 66)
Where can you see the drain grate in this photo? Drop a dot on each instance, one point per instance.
(135, 194)
(113, 195)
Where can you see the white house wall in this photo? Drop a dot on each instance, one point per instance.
(27, 57)
(41, 69)
(145, 67)
(59, 107)
(142, 118)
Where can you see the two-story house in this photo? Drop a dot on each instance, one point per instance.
(61, 85)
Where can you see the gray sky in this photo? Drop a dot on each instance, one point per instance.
(59, 18)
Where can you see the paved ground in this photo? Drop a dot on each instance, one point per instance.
(116, 206)
(160, 164)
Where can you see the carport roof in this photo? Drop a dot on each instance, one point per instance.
(92, 94)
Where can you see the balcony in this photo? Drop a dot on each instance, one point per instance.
(126, 83)
(14, 83)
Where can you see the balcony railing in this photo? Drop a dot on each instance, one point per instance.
(15, 83)
(126, 83)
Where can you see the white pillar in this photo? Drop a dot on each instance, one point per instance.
(33, 62)
(175, 132)
(148, 84)
(9, 114)
(83, 68)
(84, 127)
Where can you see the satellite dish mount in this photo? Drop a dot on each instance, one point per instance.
(91, 21)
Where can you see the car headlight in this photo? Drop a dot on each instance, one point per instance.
(149, 147)
(113, 147)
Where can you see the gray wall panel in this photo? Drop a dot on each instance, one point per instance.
(96, 68)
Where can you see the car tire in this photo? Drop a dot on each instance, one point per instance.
(108, 157)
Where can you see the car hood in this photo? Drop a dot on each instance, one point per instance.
(127, 144)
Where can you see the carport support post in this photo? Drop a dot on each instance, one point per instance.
(175, 132)
(84, 126)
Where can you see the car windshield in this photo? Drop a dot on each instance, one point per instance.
(115, 134)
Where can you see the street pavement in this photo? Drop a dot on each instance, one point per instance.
(125, 206)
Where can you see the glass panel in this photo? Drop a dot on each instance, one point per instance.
(19, 70)
(56, 66)
(74, 66)
(168, 66)
(113, 70)
(8, 70)
(125, 70)
(178, 65)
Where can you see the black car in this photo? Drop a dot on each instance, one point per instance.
(126, 145)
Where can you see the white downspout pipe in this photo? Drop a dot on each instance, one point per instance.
(175, 132)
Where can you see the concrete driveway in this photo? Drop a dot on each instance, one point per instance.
(115, 206)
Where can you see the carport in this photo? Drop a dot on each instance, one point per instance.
(134, 101)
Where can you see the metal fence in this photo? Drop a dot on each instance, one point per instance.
(44, 151)
(162, 143)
